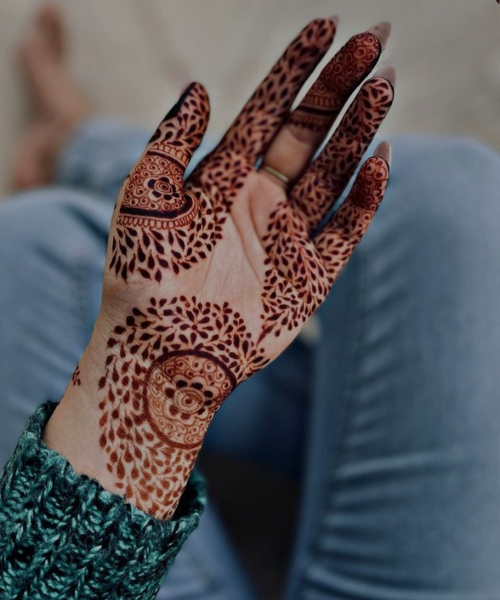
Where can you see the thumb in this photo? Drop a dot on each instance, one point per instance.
(153, 203)
(181, 131)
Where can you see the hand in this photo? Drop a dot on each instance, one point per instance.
(208, 280)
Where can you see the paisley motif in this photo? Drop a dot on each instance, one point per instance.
(154, 197)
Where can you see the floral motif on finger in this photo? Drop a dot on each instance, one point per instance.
(338, 80)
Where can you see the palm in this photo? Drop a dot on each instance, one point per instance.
(254, 267)
(219, 273)
(244, 271)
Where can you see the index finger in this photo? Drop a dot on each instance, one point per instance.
(264, 113)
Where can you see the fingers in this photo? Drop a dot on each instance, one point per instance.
(343, 233)
(153, 194)
(339, 79)
(263, 115)
(181, 131)
(308, 124)
(325, 180)
(153, 205)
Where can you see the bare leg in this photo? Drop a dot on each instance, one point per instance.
(58, 105)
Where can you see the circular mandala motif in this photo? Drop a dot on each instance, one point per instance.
(154, 195)
(183, 391)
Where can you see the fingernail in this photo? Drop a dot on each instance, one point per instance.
(187, 83)
(384, 151)
(336, 19)
(382, 31)
(388, 73)
(175, 109)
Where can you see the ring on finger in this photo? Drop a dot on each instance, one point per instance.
(275, 173)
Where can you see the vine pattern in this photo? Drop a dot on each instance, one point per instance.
(169, 367)
(172, 362)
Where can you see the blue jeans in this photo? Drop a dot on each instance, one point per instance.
(395, 409)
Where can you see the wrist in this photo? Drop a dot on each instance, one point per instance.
(136, 430)
(73, 429)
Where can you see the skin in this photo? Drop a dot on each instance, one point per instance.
(57, 105)
(208, 280)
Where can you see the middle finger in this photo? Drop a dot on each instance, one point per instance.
(307, 126)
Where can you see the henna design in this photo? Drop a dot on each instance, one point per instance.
(268, 107)
(338, 80)
(183, 389)
(225, 171)
(326, 179)
(295, 280)
(76, 376)
(157, 217)
(337, 241)
(168, 370)
(369, 188)
(173, 361)
(300, 273)
(163, 224)
(154, 198)
(171, 365)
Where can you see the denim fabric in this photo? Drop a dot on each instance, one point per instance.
(395, 408)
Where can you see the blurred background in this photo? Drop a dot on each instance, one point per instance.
(132, 58)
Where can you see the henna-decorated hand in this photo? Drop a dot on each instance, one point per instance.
(209, 279)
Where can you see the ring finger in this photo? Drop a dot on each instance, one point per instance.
(308, 125)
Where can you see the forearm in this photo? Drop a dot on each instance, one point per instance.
(207, 280)
(62, 534)
(120, 420)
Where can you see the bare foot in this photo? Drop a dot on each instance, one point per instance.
(57, 103)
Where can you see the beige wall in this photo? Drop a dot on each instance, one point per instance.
(133, 56)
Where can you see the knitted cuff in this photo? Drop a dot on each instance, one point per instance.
(63, 536)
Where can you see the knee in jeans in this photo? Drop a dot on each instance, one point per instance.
(444, 193)
(35, 220)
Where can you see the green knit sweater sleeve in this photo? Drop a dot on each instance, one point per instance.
(63, 536)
